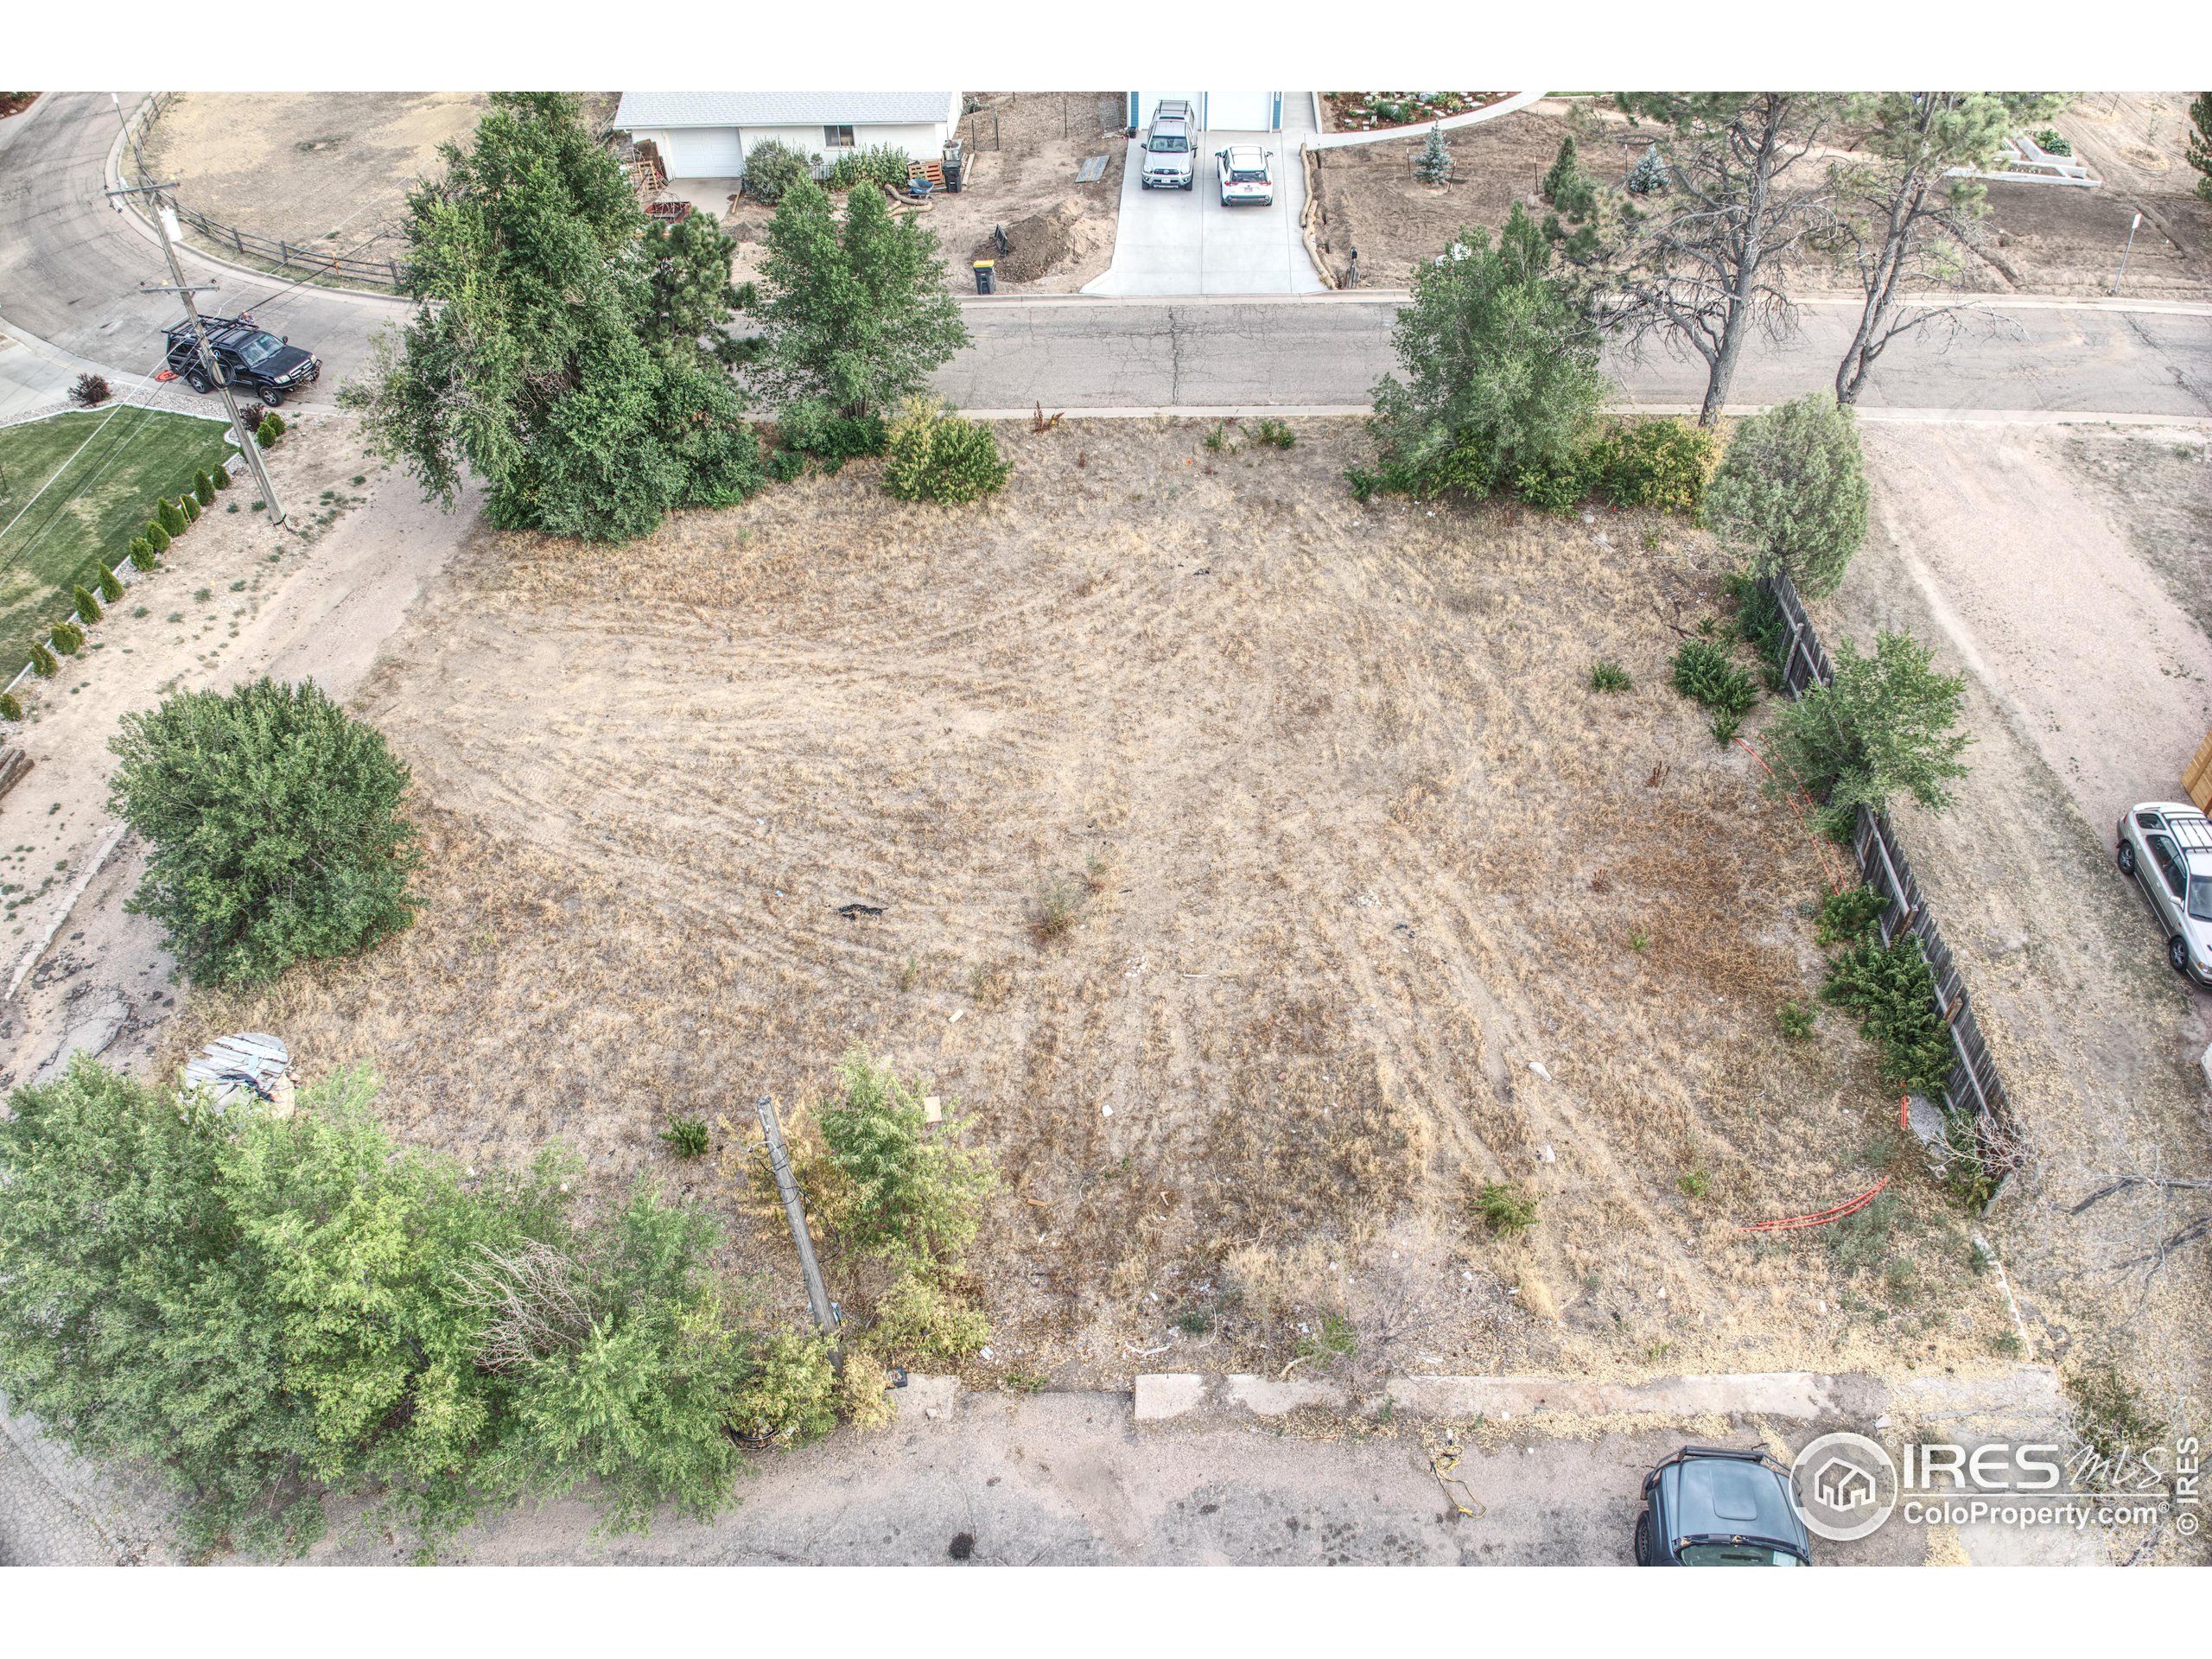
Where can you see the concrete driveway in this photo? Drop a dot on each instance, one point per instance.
(1184, 242)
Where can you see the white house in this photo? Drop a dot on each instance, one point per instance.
(708, 135)
(1217, 112)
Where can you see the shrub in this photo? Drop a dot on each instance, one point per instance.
(932, 455)
(221, 477)
(1795, 1020)
(788, 1390)
(1791, 492)
(1760, 625)
(1275, 434)
(1892, 991)
(203, 488)
(909, 1195)
(68, 638)
(1886, 726)
(1704, 671)
(1218, 440)
(864, 1391)
(1558, 484)
(189, 506)
(142, 554)
(1664, 463)
(2109, 1412)
(270, 429)
(111, 585)
(12, 706)
(90, 391)
(1610, 675)
(273, 821)
(813, 428)
(2051, 142)
(88, 604)
(1504, 1207)
(686, 1137)
(784, 465)
(1849, 916)
(918, 1319)
(773, 167)
(1693, 1184)
(1565, 167)
(157, 539)
(883, 164)
(170, 517)
(42, 661)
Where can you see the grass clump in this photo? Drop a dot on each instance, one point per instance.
(1504, 1207)
(1607, 675)
(686, 1137)
(1795, 1020)
(1057, 910)
(1892, 990)
(1704, 671)
(1273, 435)
(2109, 1412)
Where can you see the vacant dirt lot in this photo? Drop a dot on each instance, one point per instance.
(327, 170)
(1376, 901)
(2021, 553)
(2038, 238)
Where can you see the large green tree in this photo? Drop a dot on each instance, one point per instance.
(272, 821)
(2199, 152)
(273, 1310)
(1500, 367)
(556, 354)
(1791, 493)
(1886, 726)
(855, 313)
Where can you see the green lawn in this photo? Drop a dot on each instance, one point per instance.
(101, 500)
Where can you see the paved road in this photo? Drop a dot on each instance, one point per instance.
(69, 268)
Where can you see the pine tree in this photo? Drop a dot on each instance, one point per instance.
(1565, 169)
(222, 478)
(42, 661)
(189, 506)
(1791, 492)
(170, 519)
(204, 487)
(1433, 165)
(157, 540)
(1648, 175)
(88, 606)
(111, 585)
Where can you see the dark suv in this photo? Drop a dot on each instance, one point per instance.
(1720, 1506)
(253, 360)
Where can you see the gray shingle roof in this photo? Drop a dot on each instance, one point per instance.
(779, 109)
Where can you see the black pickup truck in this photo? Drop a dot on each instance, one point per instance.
(253, 360)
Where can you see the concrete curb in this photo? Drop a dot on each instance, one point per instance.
(2027, 1393)
(1450, 123)
(1877, 416)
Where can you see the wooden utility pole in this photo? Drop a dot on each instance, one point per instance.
(818, 1295)
(165, 225)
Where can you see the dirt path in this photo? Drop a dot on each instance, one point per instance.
(2086, 691)
(315, 599)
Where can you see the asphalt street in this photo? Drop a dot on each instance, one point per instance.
(70, 268)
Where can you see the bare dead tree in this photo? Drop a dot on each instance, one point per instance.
(1902, 224)
(1701, 264)
(537, 1300)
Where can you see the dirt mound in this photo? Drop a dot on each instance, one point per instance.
(1037, 245)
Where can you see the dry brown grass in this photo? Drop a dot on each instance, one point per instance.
(1355, 849)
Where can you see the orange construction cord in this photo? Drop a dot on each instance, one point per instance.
(1821, 1218)
(1836, 878)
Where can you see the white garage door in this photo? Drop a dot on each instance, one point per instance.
(704, 153)
(1241, 111)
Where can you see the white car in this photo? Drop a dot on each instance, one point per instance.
(2167, 847)
(1246, 179)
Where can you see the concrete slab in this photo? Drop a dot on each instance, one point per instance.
(1184, 242)
(29, 381)
(1773, 1394)
(927, 1399)
(1162, 1394)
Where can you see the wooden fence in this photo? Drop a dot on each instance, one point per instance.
(381, 275)
(1973, 1084)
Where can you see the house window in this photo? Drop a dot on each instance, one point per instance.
(836, 137)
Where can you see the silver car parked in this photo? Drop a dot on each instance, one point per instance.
(1167, 148)
(1246, 178)
(2167, 847)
